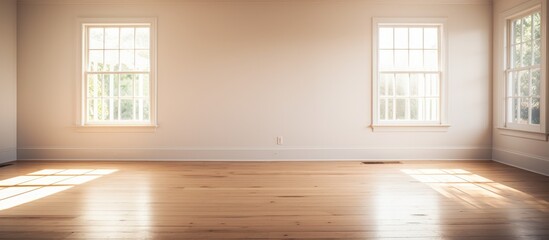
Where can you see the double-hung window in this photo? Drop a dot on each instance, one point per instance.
(525, 79)
(409, 72)
(118, 73)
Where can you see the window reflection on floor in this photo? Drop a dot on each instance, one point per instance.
(474, 190)
(33, 186)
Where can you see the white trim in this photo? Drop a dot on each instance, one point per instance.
(153, 76)
(522, 160)
(523, 134)
(443, 61)
(117, 128)
(297, 154)
(410, 128)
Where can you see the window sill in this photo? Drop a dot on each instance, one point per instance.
(524, 134)
(117, 129)
(410, 128)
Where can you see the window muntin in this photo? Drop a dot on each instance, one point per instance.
(409, 73)
(523, 73)
(117, 74)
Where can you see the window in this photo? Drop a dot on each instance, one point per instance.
(523, 73)
(118, 73)
(409, 72)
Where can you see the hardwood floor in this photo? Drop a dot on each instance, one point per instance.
(277, 200)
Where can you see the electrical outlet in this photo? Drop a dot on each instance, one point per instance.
(279, 140)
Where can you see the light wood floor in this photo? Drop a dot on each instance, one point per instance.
(277, 200)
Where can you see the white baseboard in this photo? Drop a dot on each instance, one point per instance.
(526, 161)
(259, 154)
(8, 154)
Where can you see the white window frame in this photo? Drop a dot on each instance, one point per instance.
(442, 123)
(514, 129)
(81, 107)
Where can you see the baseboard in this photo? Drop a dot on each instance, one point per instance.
(522, 160)
(266, 154)
(8, 154)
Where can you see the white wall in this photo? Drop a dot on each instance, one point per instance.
(8, 80)
(233, 75)
(524, 153)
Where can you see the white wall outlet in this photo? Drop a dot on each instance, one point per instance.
(279, 140)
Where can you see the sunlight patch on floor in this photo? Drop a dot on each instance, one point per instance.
(33, 186)
(474, 190)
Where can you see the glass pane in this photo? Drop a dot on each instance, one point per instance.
(126, 85)
(517, 31)
(416, 38)
(146, 110)
(401, 38)
(126, 109)
(386, 38)
(94, 85)
(434, 84)
(390, 78)
(390, 109)
(515, 84)
(515, 56)
(111, 60)
(434, 109)
(91, 114)
(524, 82)
(382, 105)
(431, 60)
(527, 28)
(536, 84)
(116, 108)
(527, 53)
(142, 38)
(382, 85)
(515, 110)
(385, 59)
(127, 60)
(142, 60)
(537, 52)
(402, 84)
(112, 38)
(127, 39)
(141, 85)
(537, 26)
(401, 59)
(110, 85)
(95, 40)
(414, 109)
(416, 59)
(414, 87)
(524, 107)
(430, 39)
(106, 109)
(400, 109)
(95, 60)
(535, 111)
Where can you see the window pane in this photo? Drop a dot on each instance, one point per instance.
(390, 109)
(126, 109)
(535, 111)
(402, 84)
(515, 56)
(141, 85)
(105, 109)
(515, 84)
(414, 112)
(431, 59)
(433, 82)
(401, 38)
(430, 38)
(94, 85)
(517, 31)
(400, 109)
(537, 25)
(416, 59)
(414, 87)
(524, 107)
(385, 38)
(416, 38)
(111, 60)
(95, 60)
(95, 40)
(382, 105)
(127, 38)
(536, 84)
(537, 52)
(527, 28)
(142, 61)
(524, 82)
(527, 53)
(385, 59)
(146, 110)
(112, 38)
(142, 38)
(127, 59)
(401, 59)
(126, 85)
(110, 85)
(390, 79)
(515, 110)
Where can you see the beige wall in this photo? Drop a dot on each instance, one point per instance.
(8, 80)
(233, 75)
(524, 153)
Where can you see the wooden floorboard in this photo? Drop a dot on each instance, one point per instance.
(272, 200)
